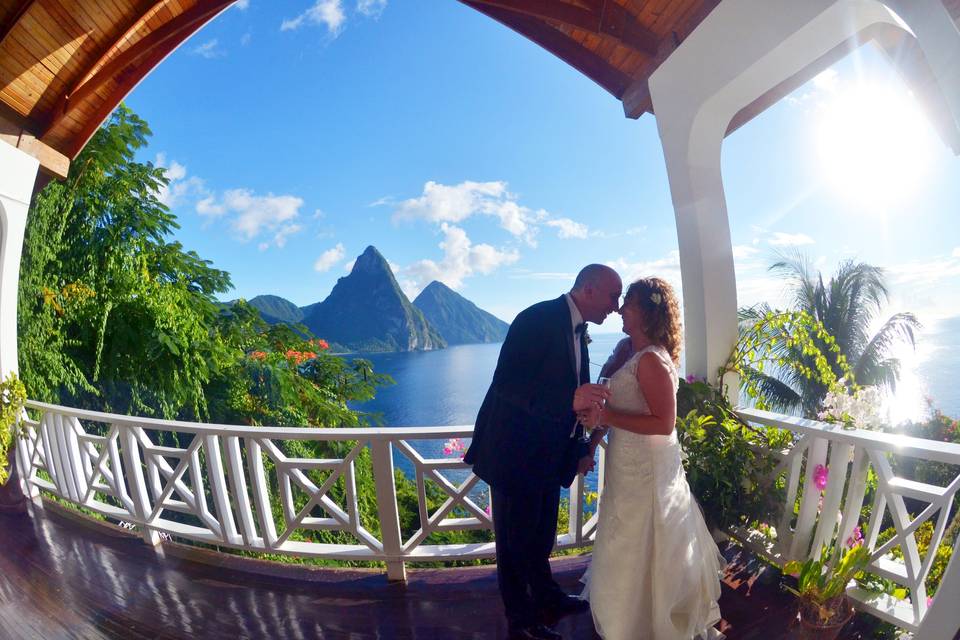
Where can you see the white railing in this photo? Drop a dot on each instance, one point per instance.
(834, 513)
(240, 490)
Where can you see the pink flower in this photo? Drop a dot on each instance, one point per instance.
(453, 445)
(820, 475)
(856, 538)
(929, 601)
(488, 511)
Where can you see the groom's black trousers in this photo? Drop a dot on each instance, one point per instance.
(525, 525)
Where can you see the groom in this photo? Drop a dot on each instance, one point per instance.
(527, 443)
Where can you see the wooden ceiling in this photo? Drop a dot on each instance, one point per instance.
(66, 64)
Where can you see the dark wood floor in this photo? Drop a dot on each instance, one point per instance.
(60, 578)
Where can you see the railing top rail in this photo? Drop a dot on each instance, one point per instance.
(895, 443)
(286, 433)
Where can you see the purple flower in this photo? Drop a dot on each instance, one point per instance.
(691, 379)
(820, 475)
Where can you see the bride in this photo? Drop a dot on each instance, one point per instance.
(654, 572)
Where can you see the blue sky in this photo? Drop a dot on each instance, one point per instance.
(297, 132)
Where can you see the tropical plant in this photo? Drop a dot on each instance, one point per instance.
(822, 582)
(12, 397)
(846, 307)
(728, 471)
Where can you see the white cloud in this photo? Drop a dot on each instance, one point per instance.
(567, 228)
(371, 8)
(956, 253)
(667, 268)
(744, 251)
(329, 258)
(242, 4)
(926, 272)
(208, 207)
(209, 49)
(249, 215)
(461, 259)
(327, 13)
(781, 239)
(445, 203)
(245, 39)
(179, 187)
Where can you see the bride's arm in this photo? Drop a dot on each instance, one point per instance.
(656, 383)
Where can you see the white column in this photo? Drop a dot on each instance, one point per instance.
(18, 172)
(740, 51)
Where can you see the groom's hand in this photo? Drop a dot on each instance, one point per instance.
(587, 396)
(585, 465)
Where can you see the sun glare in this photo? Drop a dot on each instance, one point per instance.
(873, 143)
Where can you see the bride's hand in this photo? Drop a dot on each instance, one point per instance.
(587, 396)
(590, 418)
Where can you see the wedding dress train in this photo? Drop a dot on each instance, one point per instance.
(654, 572)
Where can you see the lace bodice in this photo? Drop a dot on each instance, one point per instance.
(625, 392)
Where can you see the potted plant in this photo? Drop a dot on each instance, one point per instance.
(12, 398)
(821, 590)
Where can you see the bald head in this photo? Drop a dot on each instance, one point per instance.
(596, 292)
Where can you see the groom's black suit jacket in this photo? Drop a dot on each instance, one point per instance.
(522, 438)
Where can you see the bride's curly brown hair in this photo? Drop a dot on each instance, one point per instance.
(660, 313)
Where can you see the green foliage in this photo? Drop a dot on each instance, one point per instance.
(12, 396)
(727, 466)
(105, 297)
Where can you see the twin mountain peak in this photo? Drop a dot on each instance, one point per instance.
(367, 311)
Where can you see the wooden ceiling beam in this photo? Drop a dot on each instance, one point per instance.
(603, 18)
(8, 26)
(559, 44)
(16, 131)
(175, 31)
(127, 76)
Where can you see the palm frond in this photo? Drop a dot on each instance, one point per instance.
(875, 365)
(775, 393)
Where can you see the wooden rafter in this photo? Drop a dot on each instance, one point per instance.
(165, 39)
(559, 44)
(603, 18)
(64, 103)
(8, 26)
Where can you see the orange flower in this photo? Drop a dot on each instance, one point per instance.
(320, 344)
(258, 355)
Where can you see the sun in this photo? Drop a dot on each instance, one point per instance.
(873, 145)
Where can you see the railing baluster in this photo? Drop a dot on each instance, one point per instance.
(261, 492)
(803, 531)
(836, 479)
(382, 454)
(218, 487)
(856, 491)
(238, 482)
(575, 522)
(132, 465)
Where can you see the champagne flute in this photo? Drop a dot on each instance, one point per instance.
(604, 381)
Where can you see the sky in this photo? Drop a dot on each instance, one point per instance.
(295, 133)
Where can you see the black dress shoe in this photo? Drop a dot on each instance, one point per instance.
(565, 605)
(534, 632)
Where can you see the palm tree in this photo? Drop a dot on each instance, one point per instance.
(846, 306)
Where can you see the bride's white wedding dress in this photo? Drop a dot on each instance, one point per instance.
(654, 573)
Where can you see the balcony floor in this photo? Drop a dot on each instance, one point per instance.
(61, 577)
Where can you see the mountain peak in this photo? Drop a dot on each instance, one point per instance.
(457, 319)
(369, 261)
